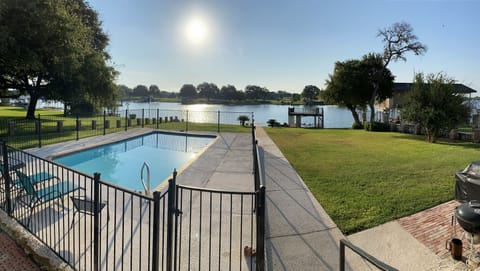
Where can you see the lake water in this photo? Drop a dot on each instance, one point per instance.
(334, 117)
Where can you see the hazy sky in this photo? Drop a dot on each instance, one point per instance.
(281, 44)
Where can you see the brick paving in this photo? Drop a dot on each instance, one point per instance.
(12, 257)
(433, 228)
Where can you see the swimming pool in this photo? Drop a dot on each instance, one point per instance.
(120, 163)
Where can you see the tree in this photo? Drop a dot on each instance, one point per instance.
(296, 97)
(433, 104)
(154, 90)
(228, 92)
(188, 91)
(310, 93)
(348, 87)
(255, 92)
(56, 50)
(207, 90)
(125, 90)
(140, 90)
(243, 119)
(380, 79)
(398, 40)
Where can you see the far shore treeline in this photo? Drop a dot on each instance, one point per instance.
(211, 93)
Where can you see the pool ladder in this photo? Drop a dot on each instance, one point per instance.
(147, 186)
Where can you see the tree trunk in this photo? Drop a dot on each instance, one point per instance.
(372, 112)
(31, 106)
(355, 116)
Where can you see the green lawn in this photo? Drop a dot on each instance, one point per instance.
(364, 179)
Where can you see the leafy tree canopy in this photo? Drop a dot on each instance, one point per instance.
(188, 91)
(433, 103)
(353, 83)
(346, 87)
(55, 49)
(255, 92)
(207, 90)
(310, 93)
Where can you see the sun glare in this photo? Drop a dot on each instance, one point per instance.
(196, 30)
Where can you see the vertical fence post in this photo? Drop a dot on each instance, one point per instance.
(6, 175)
(158, 114)
(104, 121)
(156, 232)
(170, 217)
(342, 255)
(143, 117)
(323, 118)
(126, 119)
(186, 123)
(77, 125)
(218, 122)
(254, 151)
(39, 123)
(96, 221)
(261, 229)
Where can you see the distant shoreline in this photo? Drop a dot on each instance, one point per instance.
(218, 101)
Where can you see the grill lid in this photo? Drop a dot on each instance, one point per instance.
(468, 216)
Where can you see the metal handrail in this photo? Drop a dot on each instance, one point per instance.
(378, 264)
(145, 187)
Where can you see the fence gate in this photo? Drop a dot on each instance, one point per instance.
(213, 230)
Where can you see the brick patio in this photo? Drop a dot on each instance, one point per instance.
(432, 228)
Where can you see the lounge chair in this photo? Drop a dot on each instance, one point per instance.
(35, 178)
(40, 196)
(16, 185)
(14, 164)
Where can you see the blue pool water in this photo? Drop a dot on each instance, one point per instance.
(121, 162)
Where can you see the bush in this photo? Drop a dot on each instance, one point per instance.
(357, 126)
(132, 116)
(273, 123)
(377, 127)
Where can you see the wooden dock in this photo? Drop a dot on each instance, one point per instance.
(295, 116)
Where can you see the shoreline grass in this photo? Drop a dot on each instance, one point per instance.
(364, 179)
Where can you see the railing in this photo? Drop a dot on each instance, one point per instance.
(117, 235)
(48, 129)
(378, 264)
(260, 204)
(146, 186)
(184, 227)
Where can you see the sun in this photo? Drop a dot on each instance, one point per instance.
(196, 30)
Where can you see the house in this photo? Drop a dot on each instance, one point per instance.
(391, 106)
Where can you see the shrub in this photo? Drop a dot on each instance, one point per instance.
(377, 127)
(357, 126)
(132, 116)
(273, 123)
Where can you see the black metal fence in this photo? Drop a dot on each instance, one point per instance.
(48, 129)
(95, 225)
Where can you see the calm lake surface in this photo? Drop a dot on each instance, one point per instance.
(335, 117)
